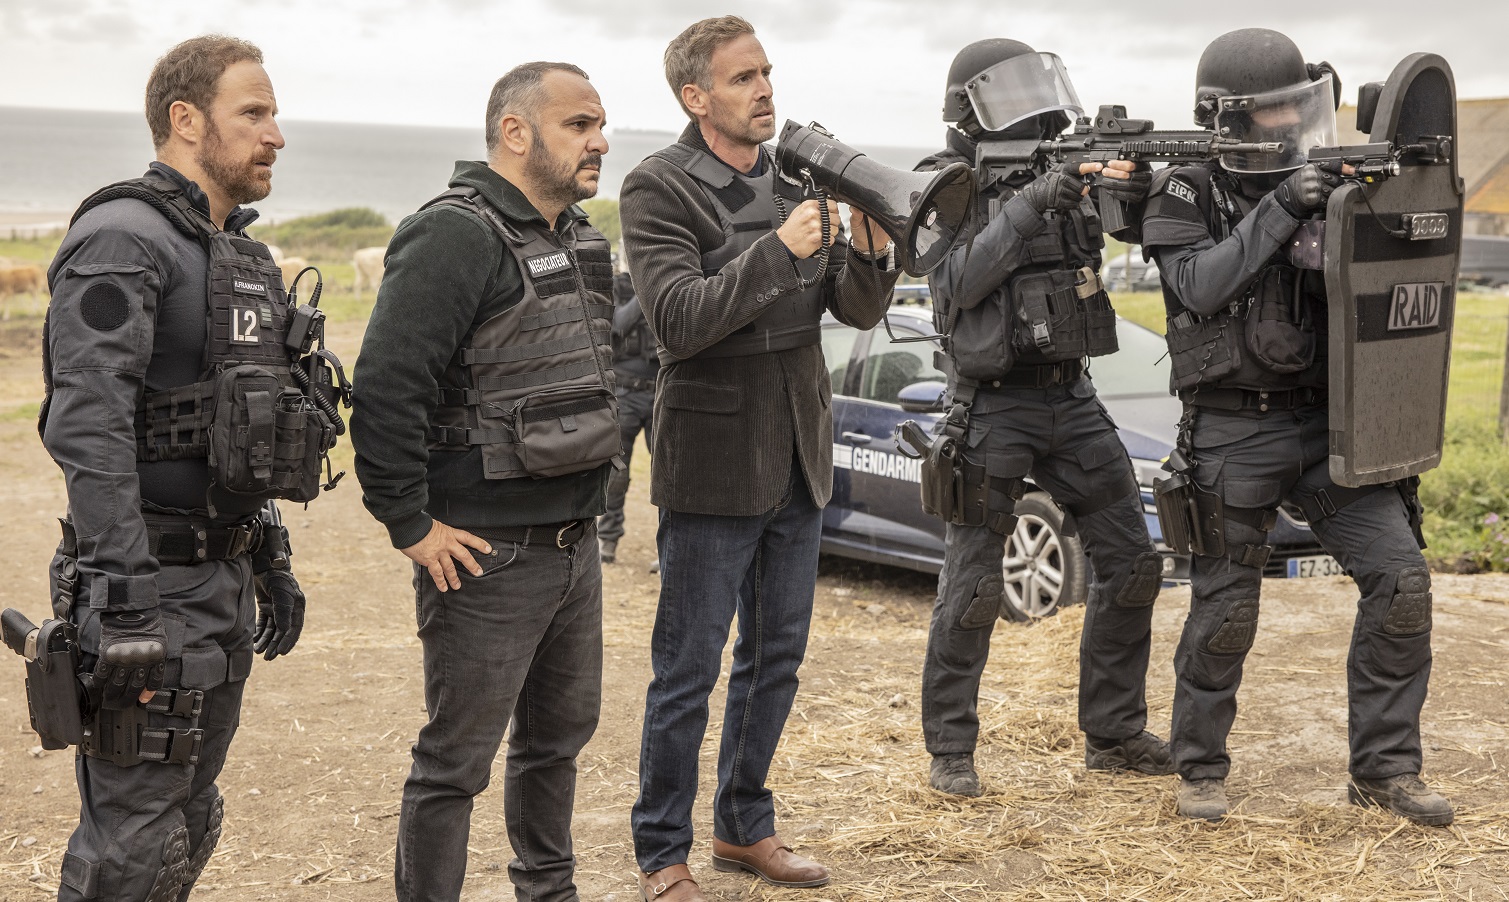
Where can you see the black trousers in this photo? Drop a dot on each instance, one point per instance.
(1255, 462)
(636, 412)
(146, 831)
(1063, 437)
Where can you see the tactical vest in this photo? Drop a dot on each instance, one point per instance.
(747, 211)
(264, 431)
(531, 386)
(1052, 308)
(635, 353)
(1270, 337)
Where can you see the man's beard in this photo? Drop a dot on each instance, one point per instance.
(742, 128)
(553, 179)
(241, 180)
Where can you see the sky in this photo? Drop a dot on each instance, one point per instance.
(871, 71)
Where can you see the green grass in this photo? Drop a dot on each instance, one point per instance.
(327, 237)
(39, 250)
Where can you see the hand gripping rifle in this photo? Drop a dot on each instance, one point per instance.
(1111, 136)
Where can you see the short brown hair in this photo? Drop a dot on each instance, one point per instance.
(689, 56)
(191, 72)
(519, 93)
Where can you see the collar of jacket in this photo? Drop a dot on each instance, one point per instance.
(239, 218)
(502, 196)
(692, 135)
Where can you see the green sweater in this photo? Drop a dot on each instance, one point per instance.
(447, 272)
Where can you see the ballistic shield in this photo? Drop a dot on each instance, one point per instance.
(1392, 251)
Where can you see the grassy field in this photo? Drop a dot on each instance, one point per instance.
(1466, 498)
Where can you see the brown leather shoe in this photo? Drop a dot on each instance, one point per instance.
(770, 860)
(672, 884)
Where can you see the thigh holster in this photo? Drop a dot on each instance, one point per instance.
(125, 738)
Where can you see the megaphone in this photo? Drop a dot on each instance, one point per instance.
(923, 212)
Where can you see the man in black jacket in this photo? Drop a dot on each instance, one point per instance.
(485, 429)
(1024, 313)
(721, 255)
(1247, 342)
(161, 565)
(635, 365)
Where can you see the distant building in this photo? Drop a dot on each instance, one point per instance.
(1483, 160)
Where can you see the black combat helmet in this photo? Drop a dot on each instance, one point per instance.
(1252, 61)
(1033, 93)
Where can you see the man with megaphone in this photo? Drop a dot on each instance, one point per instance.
(1022, 309)
(729, 263)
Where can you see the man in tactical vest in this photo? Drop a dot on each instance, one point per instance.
(485, 429)
(1022, 310)
(725, 256)
(635, 365)
(1247, 340)
(173, 435)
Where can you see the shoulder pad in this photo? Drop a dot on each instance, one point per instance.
(697, 164)
(161, 194)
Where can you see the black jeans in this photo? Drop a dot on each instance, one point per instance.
(524, 641)
(1064, 438)
(636, 412)
(1255, 462)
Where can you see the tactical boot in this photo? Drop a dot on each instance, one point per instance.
(1203, 800)
(955, 775)
(1404, 795)
(609, 550)
(1144, 753)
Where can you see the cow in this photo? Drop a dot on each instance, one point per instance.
(368, 263)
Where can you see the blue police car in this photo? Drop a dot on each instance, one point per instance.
(876, 512)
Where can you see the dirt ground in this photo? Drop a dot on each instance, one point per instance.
(312, 784)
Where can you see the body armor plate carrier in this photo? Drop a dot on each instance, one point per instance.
(747, 211)
(532, 386)
(265, 434)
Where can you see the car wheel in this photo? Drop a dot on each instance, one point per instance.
(1044, 569)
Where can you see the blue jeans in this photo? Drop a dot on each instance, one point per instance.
(759, 571)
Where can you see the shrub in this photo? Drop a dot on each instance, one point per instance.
(327, 237)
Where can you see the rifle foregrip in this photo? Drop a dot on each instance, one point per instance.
(15, 627)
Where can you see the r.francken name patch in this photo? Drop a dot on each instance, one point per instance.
(547, 264)
(1180, 190)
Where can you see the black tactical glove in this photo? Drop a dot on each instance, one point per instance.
(1054, 190)
(280, 613)
(1131, 190)
(1308, 188)
(132, 649)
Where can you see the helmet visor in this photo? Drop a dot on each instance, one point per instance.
(1300, 118)
(1019, 88)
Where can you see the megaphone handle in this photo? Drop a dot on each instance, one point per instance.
(827, 228)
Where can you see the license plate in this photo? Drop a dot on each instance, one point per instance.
(1314, 565)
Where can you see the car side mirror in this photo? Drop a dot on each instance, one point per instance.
(922, 397)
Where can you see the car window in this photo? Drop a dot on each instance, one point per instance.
(1140, 367)
(892, 366)
(838, 348)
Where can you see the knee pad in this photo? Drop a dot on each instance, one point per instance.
(175, 868)
(1142, 584)
(983, 609)
(1409, 610)
(201, 856)
(1237, 631)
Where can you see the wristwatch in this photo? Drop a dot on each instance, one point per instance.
(883, 260)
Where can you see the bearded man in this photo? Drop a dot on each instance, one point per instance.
(485, 429)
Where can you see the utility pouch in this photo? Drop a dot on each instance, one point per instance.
(1278, 331)
(243, 435)
(566, 430)
(1202, 350)
(303, 434)
(1191, 517)
(1062, 315)
(54, 695)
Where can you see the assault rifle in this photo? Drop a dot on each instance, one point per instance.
(1111, 136)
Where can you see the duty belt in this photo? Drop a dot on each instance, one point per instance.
(562, 535)
(630, 383)
(180, 540)
(1258, 400)
(1041, 376)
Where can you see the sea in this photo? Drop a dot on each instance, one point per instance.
(50, 160)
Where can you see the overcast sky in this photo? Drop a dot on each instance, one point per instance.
(871, 71)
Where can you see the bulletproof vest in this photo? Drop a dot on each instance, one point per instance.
(748, 211)
(265, 432)
(634, 350)
(531, 386)
(1272, 336)
(1051, 308)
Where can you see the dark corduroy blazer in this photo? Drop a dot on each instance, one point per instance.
(727, 429)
